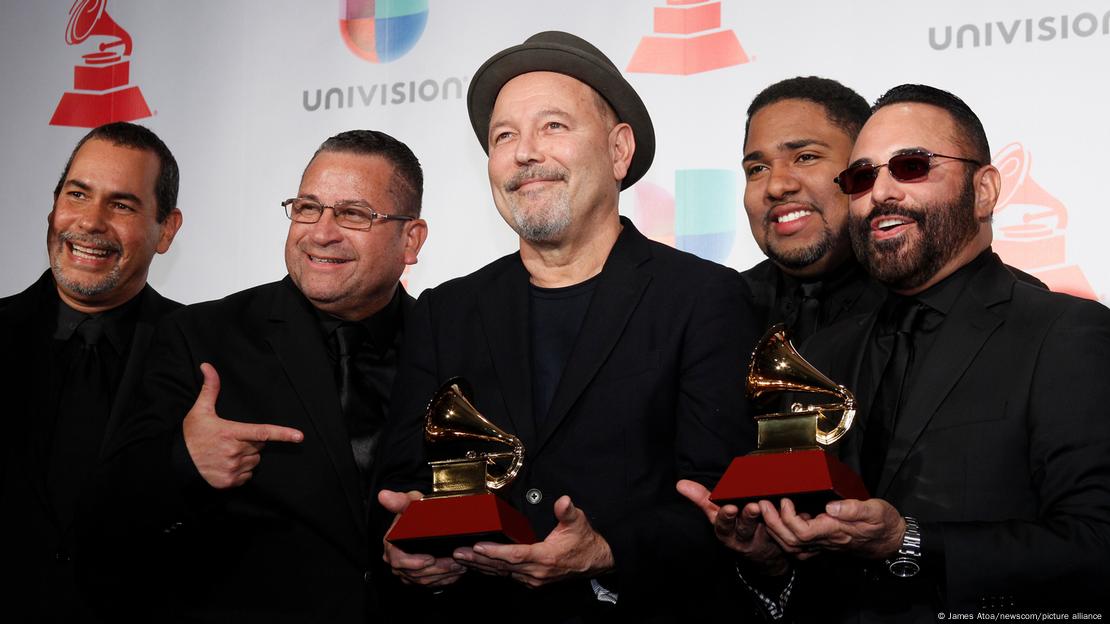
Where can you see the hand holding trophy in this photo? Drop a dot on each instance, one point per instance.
(790, 461)
(462, 508)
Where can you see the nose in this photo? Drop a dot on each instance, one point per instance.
(326, 231)
(781, 182)
(886, 188)
(94, 218)
(527, 149)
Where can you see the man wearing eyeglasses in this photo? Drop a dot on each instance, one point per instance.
(252, 449)
(982, 434)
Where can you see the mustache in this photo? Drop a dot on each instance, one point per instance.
(90, 241)
(531, 173)
(888, 209)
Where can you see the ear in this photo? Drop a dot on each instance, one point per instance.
(622, 145)
(416, 232)
(988, 185)
(169, 226)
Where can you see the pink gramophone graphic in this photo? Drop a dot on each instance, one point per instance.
(688, 39)
(101, 93)
(1030, 233)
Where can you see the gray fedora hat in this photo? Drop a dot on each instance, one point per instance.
(563, 53)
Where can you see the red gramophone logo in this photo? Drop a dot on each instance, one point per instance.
(688, 39)
(101, 93)
(1031, 225)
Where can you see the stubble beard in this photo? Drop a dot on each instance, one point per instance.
(544, 221)
(106, 284)
(801, 258)
(943, 230)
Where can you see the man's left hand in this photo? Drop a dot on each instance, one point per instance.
(572, 549)
(871, 529)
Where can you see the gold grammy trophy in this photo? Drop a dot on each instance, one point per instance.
(462, 508)
(790, 460)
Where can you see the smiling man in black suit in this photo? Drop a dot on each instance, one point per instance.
(982, 434)
(616, 360)
(72, 348)
(248, 457)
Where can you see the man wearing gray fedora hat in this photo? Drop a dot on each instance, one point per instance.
(616, 360)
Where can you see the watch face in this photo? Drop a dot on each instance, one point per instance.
(904, 568)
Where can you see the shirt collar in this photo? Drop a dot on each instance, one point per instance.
(381, 326)
(119, 322)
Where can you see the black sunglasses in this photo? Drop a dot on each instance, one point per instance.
(903, 167)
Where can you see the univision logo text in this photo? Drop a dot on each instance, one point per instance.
(383, 94)
(1025, 30)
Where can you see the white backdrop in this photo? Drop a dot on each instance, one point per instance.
(239, 90)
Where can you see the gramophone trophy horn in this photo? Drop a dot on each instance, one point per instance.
(777, 367)
(451, 418)
(462, 508)
(88, 17)
(790, 461)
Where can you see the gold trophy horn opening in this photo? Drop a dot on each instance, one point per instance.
(778, 367)
(451, 417)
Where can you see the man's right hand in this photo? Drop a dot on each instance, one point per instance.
(224, 451)
(740, 530)
(423, 570)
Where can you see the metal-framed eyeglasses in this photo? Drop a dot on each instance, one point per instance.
(350, 215)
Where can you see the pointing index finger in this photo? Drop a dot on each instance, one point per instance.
(267, 433)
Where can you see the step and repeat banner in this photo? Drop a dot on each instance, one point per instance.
(243, 91)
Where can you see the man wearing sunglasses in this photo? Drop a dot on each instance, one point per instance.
(982, 431)
(249, 455)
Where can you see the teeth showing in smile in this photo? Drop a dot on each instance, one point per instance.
(88, 252)
(886, 224)
(326, 260)
(793, 216)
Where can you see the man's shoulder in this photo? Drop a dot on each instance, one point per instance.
(685, 268)
(466, 285)
(760, 272)
(1034, 303)
(231, 305)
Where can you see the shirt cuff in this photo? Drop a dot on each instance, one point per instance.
(774, 607)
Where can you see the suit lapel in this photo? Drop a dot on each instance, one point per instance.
(504, 309)
(968, 326)
(290, 329)
(151, 307)
(619, 289)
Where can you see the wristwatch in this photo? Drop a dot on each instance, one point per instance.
(908, 561)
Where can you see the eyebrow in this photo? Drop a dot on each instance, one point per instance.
(342, 202)
(114, 195)
(547, 112)
(786, 146)
(899, 152)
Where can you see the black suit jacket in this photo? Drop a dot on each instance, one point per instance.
(652, 392)
(845, 295)
(38, 551)
(291, 544)
(1003, 445)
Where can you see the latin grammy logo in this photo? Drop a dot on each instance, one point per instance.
(688, 39)
(1030, 226)
(100, 83)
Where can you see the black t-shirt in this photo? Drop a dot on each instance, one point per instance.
(554, 318)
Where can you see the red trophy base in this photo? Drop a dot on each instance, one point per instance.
(437, 526)
(810, 479)
(89, 110)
